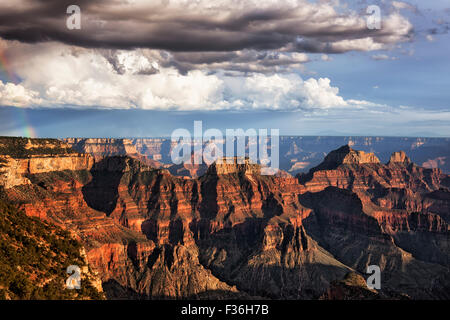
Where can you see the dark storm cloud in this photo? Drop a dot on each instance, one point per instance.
(209, 26)
(239, 61)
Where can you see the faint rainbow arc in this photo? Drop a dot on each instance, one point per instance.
(5, 66)
(28, 129)
(22, 117)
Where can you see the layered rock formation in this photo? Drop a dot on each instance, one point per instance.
(349, 169)
(346, 155)
(100, 148)
(23, 157)
(399, 157)
(233, 233)
(297, 154)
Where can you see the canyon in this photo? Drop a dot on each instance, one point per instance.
(227, 232)
(298, 154)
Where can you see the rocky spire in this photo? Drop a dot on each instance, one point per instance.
(399, 157)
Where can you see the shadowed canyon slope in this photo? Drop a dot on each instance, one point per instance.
(233, 233)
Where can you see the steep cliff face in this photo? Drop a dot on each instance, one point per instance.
(396, 196)
(14, 172)
(251, 234)
(395, 241)
(20, 157)
(132, 243)
(100, 148)
(233, 233)
(178, 214)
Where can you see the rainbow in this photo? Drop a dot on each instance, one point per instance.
(5, 66)
(24, 123)
(21, 115)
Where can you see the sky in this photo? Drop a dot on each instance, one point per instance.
(139, 68)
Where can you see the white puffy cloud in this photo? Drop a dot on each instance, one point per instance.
(260, 91)
(319, 93)
(17, 95)
(59, 75)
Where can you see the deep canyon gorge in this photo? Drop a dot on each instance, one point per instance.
(227, 232)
